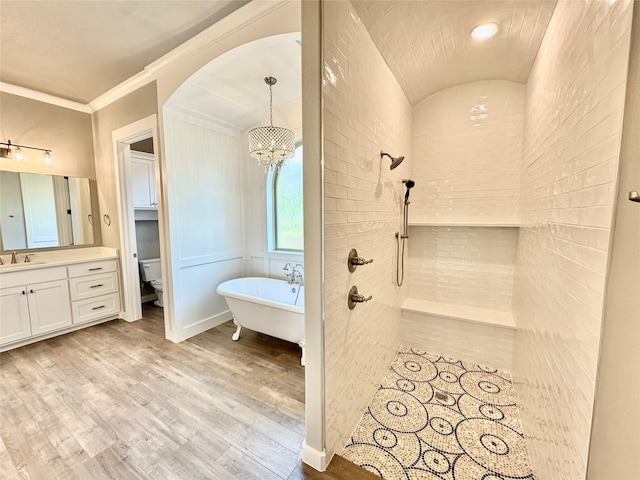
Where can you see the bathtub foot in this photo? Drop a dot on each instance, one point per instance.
(302, 359)
(236, 335)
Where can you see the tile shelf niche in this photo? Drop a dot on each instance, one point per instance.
(459, 302)
(465, 224)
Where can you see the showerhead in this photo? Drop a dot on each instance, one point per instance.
(395, 161)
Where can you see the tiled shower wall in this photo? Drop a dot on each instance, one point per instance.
(467, 144)
(574, 108)
(365, 111)
(472, 266)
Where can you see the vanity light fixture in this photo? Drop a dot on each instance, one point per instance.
(5, 151)
(271, 146)
(12, 151)
(484, 31)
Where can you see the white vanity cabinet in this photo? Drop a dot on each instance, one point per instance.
(14, 314)
(41, 302)
(143, 178)
(94, 290)
(33, 303)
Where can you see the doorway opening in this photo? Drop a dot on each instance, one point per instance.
(140, 221)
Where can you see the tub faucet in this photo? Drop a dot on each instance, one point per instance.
(287, 274)
(297, 276)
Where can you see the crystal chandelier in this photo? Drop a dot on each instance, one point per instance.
(271, 146)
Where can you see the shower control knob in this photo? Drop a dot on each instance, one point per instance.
(355, 297)
(354, 260)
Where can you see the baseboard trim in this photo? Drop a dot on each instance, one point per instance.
(204, 325)
(314, 458)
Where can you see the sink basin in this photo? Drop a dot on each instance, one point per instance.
(20, 264)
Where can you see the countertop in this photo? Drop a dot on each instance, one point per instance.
(56, 258)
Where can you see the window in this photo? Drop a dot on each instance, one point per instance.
(284, 203)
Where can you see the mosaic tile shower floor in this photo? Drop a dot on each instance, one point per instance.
(435, 418)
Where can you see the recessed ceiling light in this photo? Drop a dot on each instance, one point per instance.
(484, 31)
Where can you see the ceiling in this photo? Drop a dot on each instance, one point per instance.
(428, 48)
(80, 49)
(231, 89)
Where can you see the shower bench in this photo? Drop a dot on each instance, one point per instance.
(468, 333)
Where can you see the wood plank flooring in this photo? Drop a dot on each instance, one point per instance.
(118, 401)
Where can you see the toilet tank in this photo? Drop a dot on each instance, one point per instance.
(150, 269)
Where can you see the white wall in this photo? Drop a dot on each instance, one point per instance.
(615, 438)
(574, 107)
(204, 217)
(365, 111)
(147, 239)
(467, 144)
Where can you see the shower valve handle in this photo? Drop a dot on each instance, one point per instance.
(360, 261)
(354, 260)
(355, 297)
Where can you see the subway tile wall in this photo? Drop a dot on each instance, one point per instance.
(471, 266)
(365, 111)
(467, 147)
(574, 107)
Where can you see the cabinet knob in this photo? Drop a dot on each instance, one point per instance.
(24, 292)
(31, 291)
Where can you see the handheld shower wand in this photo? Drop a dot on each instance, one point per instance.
(405, 234)
(409, 184)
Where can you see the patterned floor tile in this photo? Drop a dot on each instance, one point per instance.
(436, 418)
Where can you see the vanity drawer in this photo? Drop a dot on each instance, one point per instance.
(91, 268)
(37, 275)
(93, 285)
(95, 308)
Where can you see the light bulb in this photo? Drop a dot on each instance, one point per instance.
(484, 31)
(19, 155)
(47, 160)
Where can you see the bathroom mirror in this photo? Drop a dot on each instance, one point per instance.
(45, 211)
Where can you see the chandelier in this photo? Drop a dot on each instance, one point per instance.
(271, 146)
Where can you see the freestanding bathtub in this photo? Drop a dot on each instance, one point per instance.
(266, 305)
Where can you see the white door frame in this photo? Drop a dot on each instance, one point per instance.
(122, 140)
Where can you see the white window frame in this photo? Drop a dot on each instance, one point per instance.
(272, 177)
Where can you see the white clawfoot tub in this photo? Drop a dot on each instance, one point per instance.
(266, 305)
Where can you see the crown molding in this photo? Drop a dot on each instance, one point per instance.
(116, 93)
(227, 26)
(43, 97)
(241, 18)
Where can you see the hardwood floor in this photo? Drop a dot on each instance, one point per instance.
(118, 401)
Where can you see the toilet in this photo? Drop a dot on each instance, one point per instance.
(151, 272)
